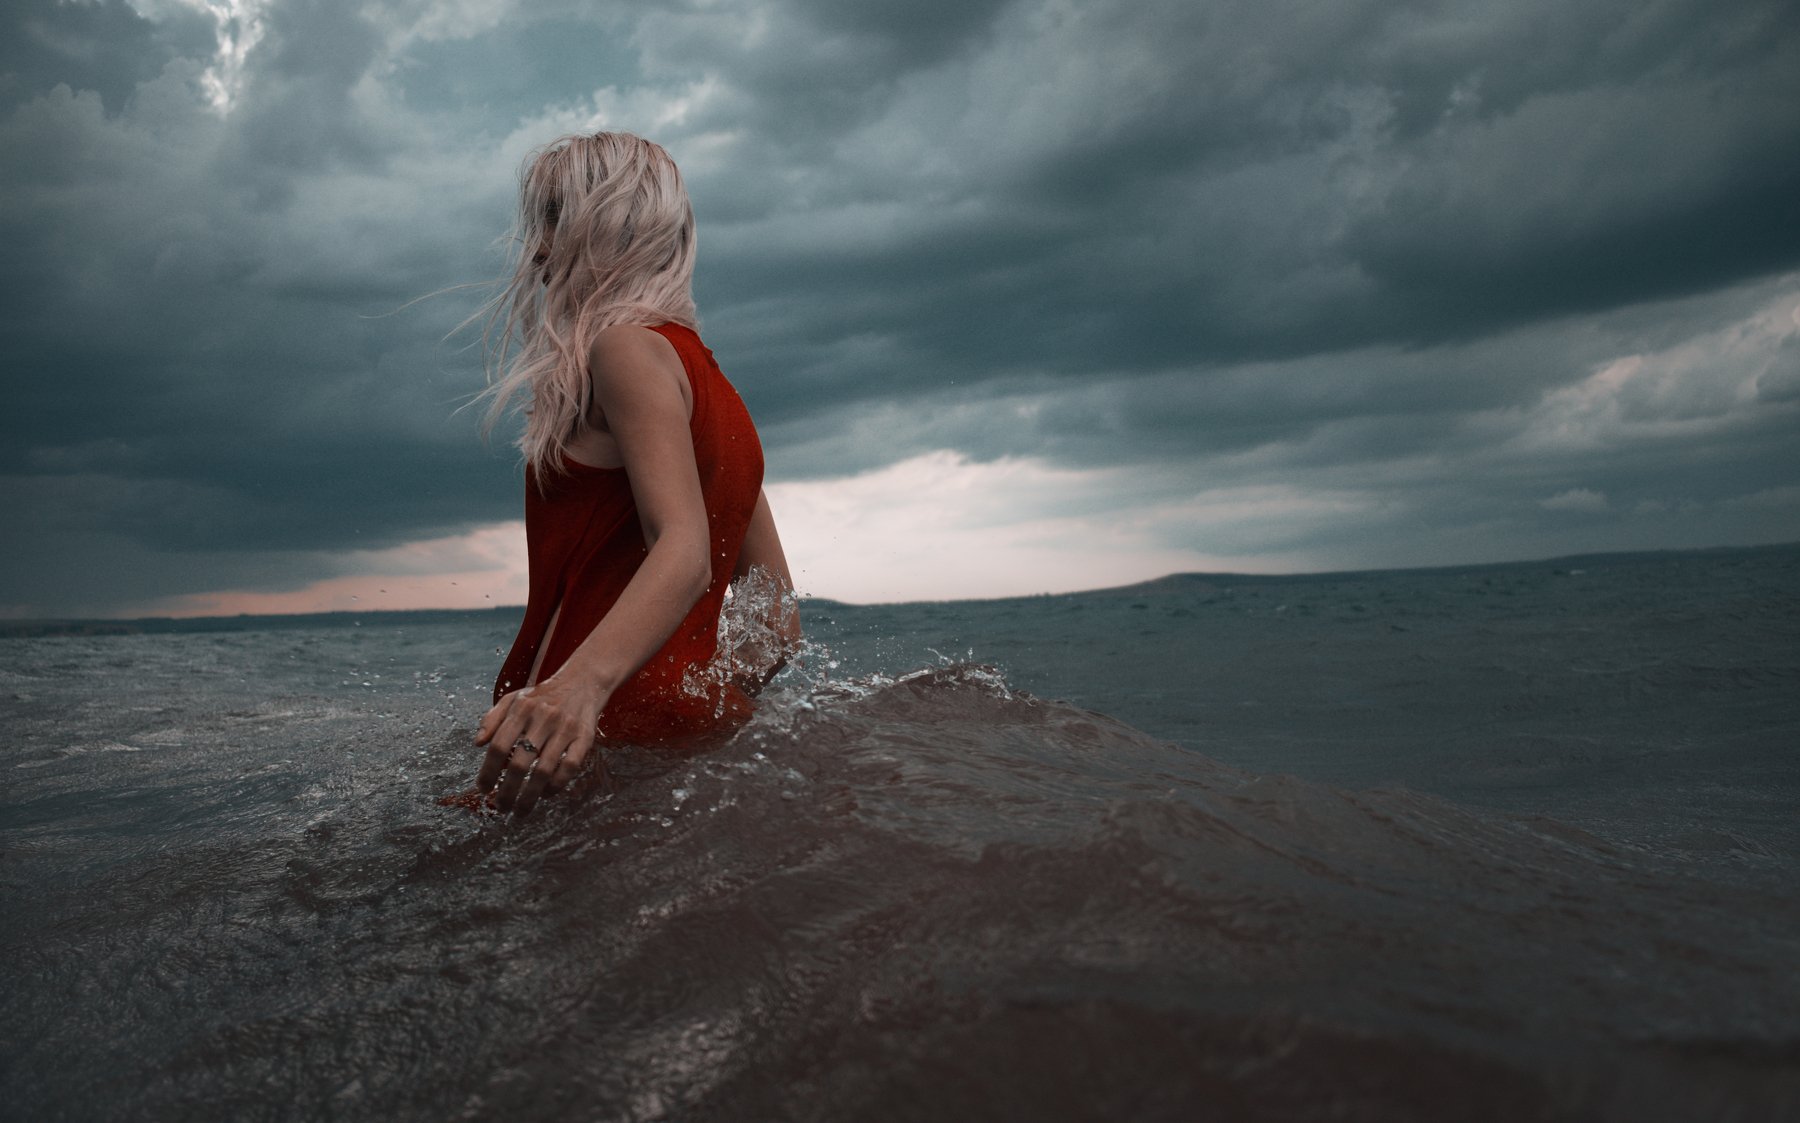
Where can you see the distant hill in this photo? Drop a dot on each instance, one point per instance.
(1201, 582)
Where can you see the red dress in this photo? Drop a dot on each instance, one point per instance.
(585, 542)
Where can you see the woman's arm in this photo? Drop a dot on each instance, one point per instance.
(776, 611)
(762, 546)
(639, 387)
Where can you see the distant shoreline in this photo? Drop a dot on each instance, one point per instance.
(1174, 582)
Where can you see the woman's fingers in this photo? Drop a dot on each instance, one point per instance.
(555, 767)
(490, 721)
(519, 764)
(536, 750)
(535, 743)
(570, 765)
(498, 747)
(508, 741)
(533, 787)
(533, 763)
(491, 764)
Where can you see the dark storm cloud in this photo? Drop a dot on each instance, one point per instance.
(1374, 246)
(105, 47)
(197, 359)
(1173, 182)
(298, 116)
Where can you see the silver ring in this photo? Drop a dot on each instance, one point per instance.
(525, 743)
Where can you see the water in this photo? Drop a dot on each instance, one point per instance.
(1508, 843)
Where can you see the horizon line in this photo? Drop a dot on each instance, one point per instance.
(14, 628)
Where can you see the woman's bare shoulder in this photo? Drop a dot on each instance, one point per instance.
(629, 360)
(623, 346)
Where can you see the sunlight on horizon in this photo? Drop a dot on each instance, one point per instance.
(934, 527)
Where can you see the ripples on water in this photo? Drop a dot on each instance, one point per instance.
(893, 896)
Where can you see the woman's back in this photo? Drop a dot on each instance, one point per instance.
(586, 543)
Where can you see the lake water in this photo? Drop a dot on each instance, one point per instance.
(1511, 842)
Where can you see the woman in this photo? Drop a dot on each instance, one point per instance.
(643, 493)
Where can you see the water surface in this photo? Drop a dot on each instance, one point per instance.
(1515, 842)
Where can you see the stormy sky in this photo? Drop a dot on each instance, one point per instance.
(1024, 296)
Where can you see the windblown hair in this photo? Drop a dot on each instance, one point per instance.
(619, 231)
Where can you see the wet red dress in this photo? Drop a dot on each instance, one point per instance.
(585, 542)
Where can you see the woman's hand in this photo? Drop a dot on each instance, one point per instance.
(537, 738)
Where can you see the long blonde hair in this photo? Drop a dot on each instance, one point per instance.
(616, 230)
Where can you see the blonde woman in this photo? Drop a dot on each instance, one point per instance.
(643, 493)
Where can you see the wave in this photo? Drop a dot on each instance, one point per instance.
(890, 897)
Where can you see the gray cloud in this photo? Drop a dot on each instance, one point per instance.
(105, 47)
(1356, 246)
